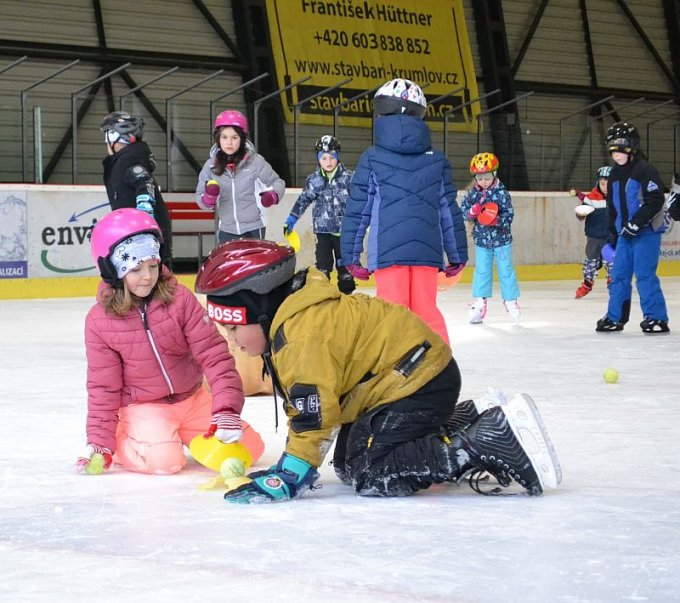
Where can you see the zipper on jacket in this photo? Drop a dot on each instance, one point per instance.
(233, 199)
(142, 311)
(413, 358)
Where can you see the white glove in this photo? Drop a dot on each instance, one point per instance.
(227, 426)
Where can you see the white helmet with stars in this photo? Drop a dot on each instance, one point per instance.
(400, 96)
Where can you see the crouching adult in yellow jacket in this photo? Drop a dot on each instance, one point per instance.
(369, 375)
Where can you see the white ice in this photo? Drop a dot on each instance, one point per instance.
(611, 532)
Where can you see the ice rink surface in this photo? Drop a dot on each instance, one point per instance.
(611, 532)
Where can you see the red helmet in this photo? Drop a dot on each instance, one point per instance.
(483, 163)
(231, 118)
(245, 265)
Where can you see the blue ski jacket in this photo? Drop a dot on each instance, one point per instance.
(402, 189)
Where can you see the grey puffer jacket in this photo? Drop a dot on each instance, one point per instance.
(239, 209)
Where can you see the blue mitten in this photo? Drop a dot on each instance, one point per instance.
(289, 479)
(289, 224)
(145, 203)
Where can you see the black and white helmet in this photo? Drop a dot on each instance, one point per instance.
(623, 137)
(326, 144)
(400, 96)
(603, 172)
(120, 126)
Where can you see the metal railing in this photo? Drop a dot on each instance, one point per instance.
(581, 153)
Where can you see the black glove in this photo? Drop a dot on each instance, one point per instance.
(674, 205)
(630, 230)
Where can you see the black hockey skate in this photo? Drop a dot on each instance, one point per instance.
(467, 411)
(511, 443)
(605, 325)
(652, 326)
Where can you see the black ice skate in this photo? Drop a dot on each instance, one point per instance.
(467, 411)
(605, 325)
(511, 442)
(651, 326)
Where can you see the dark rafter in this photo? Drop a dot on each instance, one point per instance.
(101, 38)
(224, 36)
(117, 56)
(529, 37)
(589, 43)
(648, 43)
(671, 10)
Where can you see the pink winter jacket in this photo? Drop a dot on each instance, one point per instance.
(126, 364)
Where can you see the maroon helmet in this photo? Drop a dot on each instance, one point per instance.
(245, 265)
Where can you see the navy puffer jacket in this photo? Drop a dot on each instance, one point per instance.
(403, 190)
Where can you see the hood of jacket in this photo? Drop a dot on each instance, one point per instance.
(402, 134)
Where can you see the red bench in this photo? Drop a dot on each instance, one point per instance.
(186, 210)
(189, 220)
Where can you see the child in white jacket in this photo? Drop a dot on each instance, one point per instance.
(236, 181)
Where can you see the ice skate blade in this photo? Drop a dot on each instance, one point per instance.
(527, 425)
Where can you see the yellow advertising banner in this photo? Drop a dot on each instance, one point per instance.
(332, 55)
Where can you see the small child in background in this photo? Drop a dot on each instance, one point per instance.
(149, 343)
(328, 188)
(593, 210)
(489, 206)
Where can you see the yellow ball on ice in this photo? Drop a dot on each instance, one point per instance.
(611, 375)
(232, 467)
(96, 464)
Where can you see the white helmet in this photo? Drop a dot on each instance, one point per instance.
(399, 96)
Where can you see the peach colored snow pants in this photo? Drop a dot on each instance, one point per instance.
(150, 437)
(416, 288)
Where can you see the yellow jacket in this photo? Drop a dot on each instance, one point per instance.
(337, 356)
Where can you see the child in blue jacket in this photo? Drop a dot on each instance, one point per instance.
(489, 206)
(402, 188)
(328, 188)
(635, 201)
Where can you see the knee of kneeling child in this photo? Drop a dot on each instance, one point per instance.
(156, 459)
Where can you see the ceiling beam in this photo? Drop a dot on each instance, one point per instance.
(117, 56)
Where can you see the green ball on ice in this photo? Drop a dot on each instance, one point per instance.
(611, 375)
(96, 464)
(232, 467)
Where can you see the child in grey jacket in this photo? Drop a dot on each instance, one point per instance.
(236, 181)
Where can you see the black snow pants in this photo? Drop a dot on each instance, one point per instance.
(398, 448)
